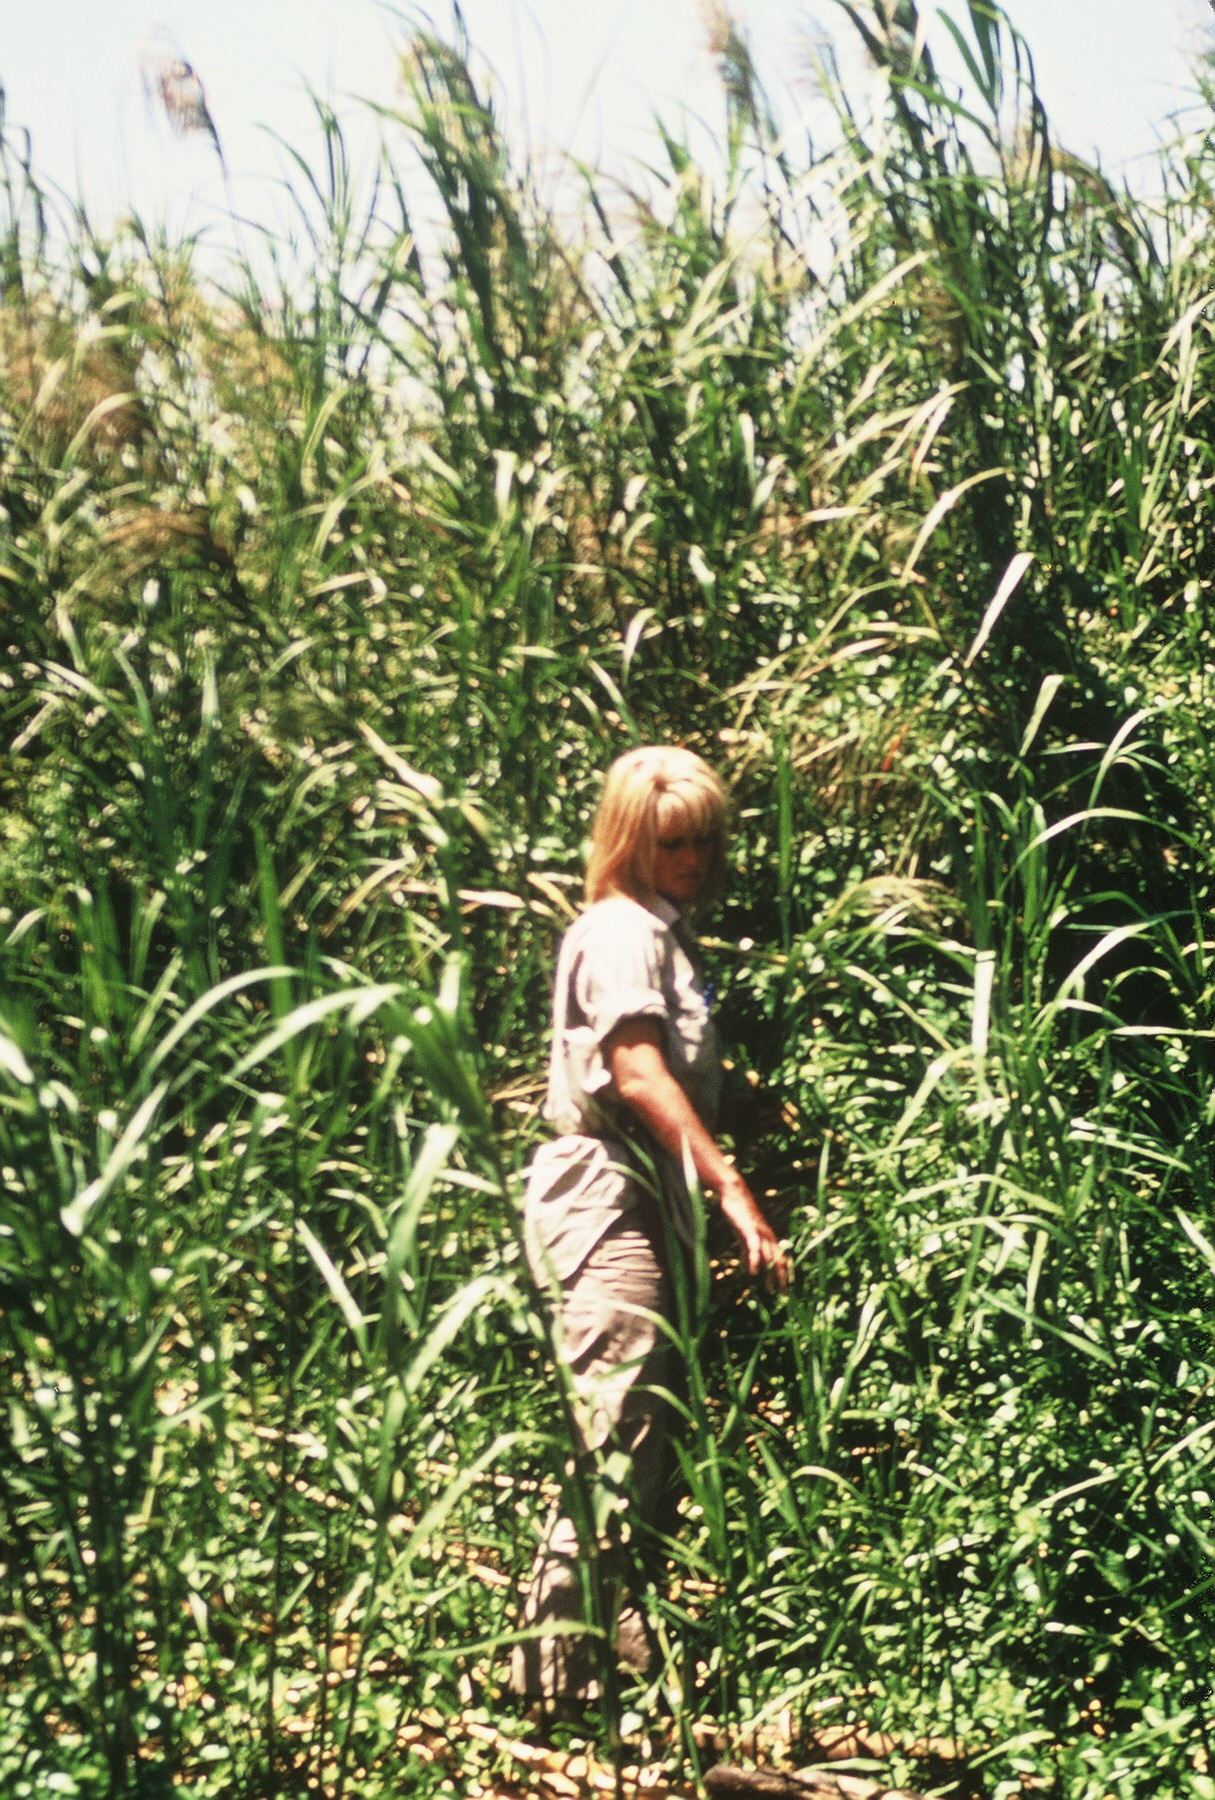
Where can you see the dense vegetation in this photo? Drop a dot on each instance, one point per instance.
(883, 476)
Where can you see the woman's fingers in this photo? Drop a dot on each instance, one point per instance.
(775, 1263)
(760, 1243)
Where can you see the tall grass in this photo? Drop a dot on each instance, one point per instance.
(325, 603)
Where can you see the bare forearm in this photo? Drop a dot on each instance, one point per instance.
(645, 1083)
(657, 1099)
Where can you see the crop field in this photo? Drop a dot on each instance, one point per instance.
(883, 475)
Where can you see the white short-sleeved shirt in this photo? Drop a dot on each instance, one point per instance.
(619, 960)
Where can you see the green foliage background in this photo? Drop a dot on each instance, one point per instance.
(883, 477)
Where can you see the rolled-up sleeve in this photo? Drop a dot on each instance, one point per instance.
(616, 976)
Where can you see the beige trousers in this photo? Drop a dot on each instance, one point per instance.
(620, 1365)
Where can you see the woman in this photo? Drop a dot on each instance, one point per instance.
(633, 1089)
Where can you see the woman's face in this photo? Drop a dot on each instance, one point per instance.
(682, 859)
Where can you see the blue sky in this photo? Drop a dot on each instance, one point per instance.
(568, 74)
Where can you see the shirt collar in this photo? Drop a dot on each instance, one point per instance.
(677, 923)
(663, 909)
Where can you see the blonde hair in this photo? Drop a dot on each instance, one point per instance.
(649, 792)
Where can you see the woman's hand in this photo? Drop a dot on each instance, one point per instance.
(760, 1244)
(640, 1075)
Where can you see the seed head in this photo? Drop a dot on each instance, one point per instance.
(167, 76)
